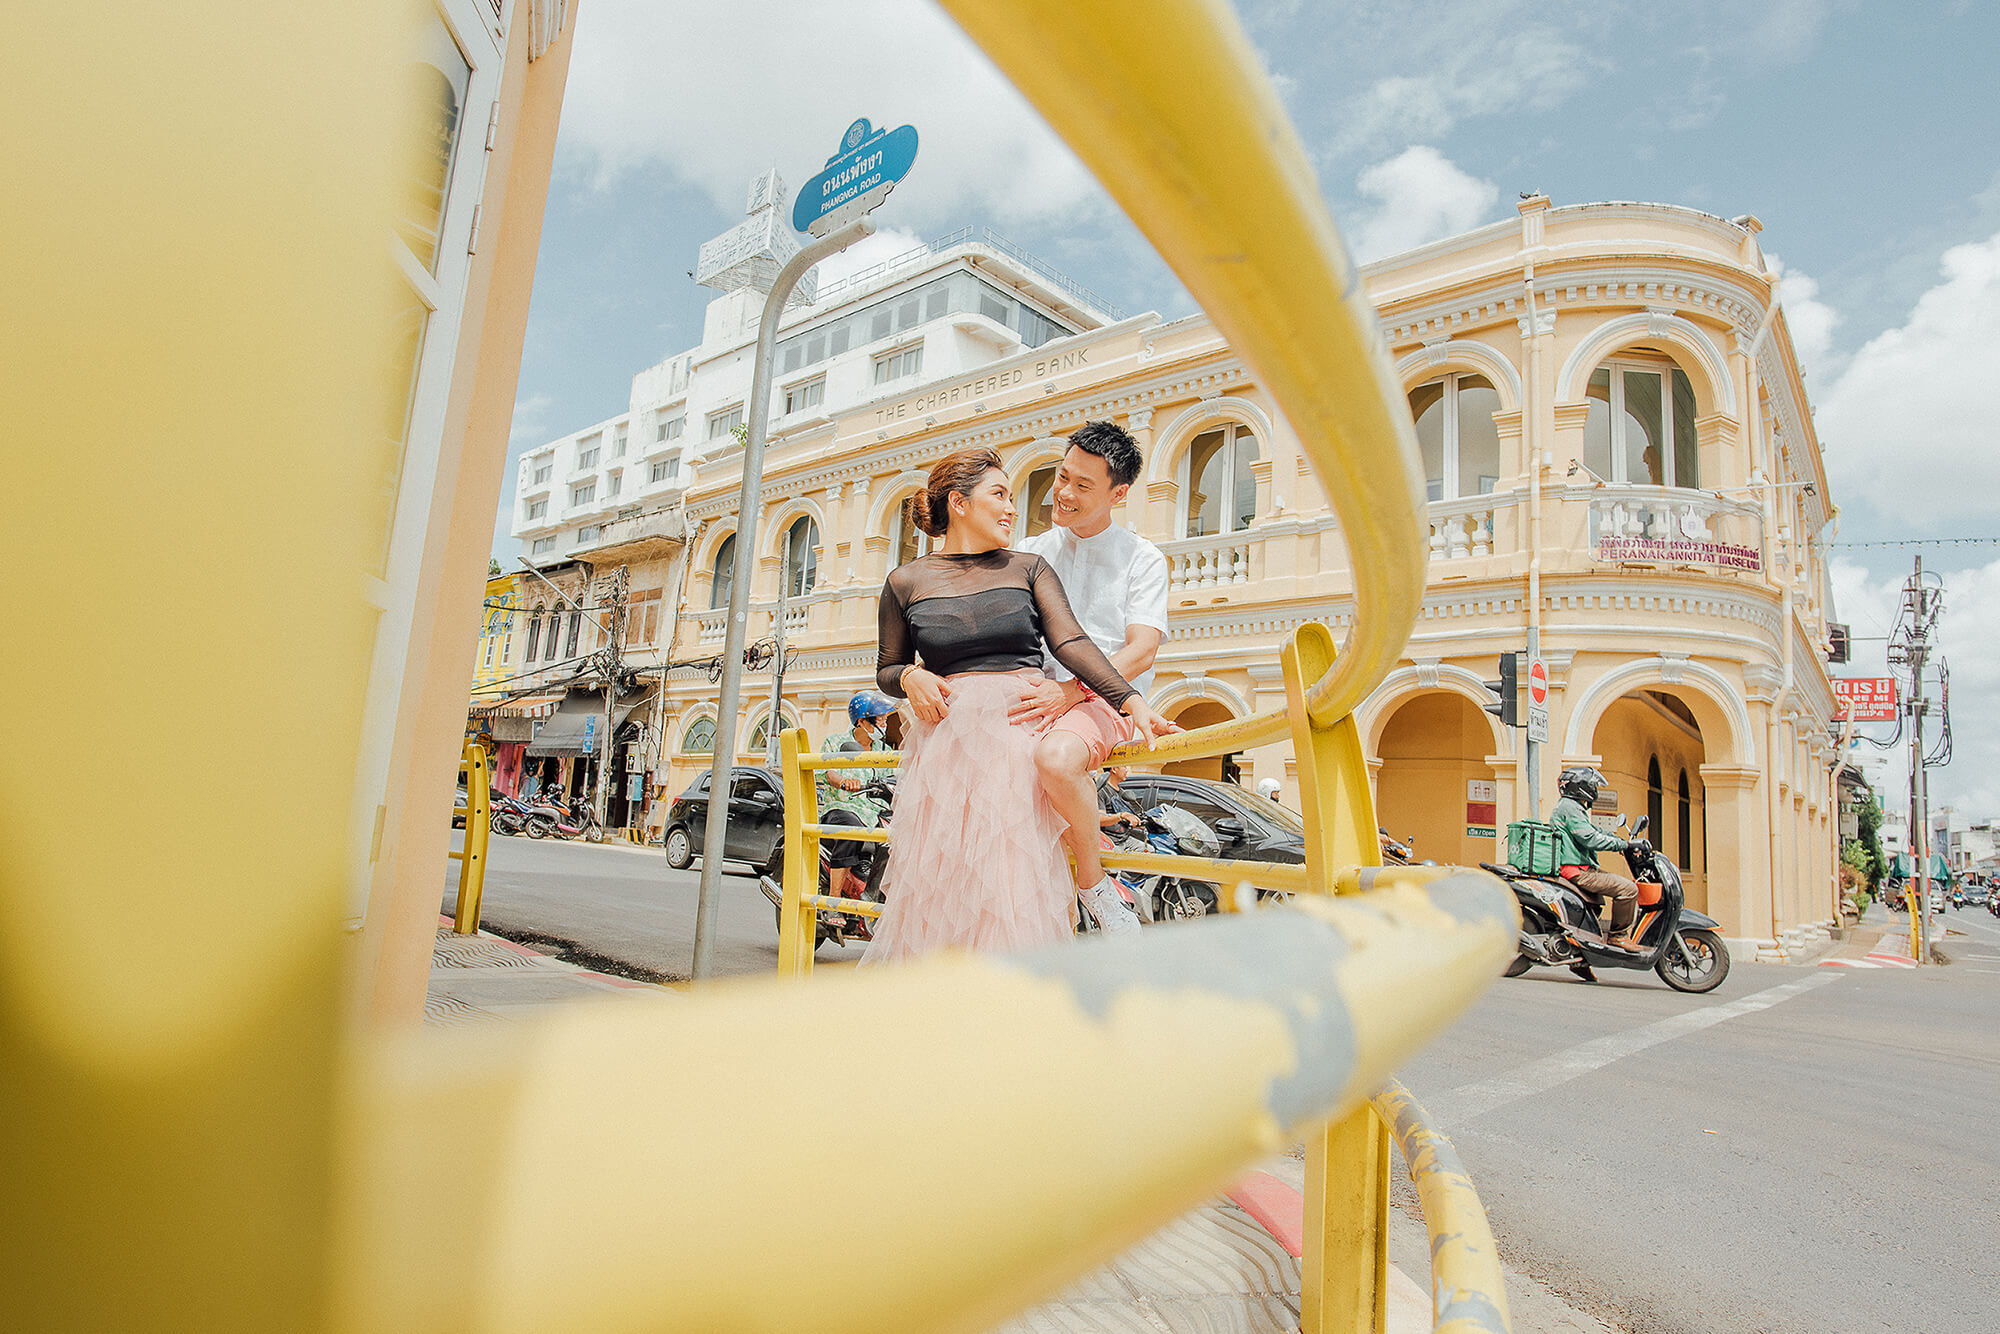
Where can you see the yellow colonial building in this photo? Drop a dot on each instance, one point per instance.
(1619, 451)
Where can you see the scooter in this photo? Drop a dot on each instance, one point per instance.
(1560, 928)
(841, 928)
(1158, 897)
(571, 819)
(507, 815)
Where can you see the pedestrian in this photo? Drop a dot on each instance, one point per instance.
(1116, 582)
(978, 861)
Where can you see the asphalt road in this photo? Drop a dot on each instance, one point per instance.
(1805, 1149)
(1825, 1161)
(624, 904)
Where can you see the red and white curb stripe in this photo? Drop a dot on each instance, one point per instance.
(1872, 961)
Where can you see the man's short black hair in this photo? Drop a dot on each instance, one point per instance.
(1110, 442)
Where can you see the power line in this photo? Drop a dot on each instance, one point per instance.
(1923, 542)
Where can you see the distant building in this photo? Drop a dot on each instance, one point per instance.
(1606, 394)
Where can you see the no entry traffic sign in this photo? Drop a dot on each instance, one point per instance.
(1538, 682)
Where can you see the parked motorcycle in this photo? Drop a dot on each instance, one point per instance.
(1157, 896)
(841, 928)
(551, 815)
(507, 815)
(1560, 927)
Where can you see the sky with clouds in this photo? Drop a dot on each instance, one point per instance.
(1851, 130)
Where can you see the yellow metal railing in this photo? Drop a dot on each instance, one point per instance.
(206, 1112)
(477, 768)
(1468, 1288)
(1345, 1252)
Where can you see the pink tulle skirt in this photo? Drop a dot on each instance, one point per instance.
(978, 861)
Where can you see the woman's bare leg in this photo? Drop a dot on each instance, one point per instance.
(1061, 762)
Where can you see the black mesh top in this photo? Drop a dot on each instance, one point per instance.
(988, 612)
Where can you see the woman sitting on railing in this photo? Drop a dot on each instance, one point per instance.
(978, 861)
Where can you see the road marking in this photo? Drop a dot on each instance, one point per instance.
(1470, 1100)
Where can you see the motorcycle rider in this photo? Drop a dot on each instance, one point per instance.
(1578, 842)
(841, 800)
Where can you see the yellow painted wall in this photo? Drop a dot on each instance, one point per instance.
(1430, 750)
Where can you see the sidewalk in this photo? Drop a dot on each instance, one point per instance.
(1230, 1265)
(481, 979)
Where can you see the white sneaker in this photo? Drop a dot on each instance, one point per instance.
(1114, 918)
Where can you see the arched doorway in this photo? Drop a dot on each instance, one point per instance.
(1651, 750)
(1434, 786)
(1202, 713)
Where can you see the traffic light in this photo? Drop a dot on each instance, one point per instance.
(1508, 688)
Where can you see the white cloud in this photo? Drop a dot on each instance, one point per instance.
(1489, 63)
(530, 418)
(1419, 196)
(1908, 425)
(1811, 320)
(716, 95)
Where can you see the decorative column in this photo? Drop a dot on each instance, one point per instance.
(1738, 882)
(833, 539)
(1134, 510)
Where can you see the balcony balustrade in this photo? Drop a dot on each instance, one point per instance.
(1671, 526)
(1199, 565)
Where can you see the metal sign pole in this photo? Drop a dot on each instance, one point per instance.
(714, 832)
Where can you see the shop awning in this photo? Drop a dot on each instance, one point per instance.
(581, 713)
(525, 706)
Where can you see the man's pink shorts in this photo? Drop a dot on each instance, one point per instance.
(1101, 726)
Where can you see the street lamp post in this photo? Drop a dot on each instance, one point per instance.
(714, 831)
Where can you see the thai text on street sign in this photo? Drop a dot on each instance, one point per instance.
(856, 179)
(1864, 699)
(590, 736)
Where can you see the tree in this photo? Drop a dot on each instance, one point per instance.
(1869, 817)
(493, 567)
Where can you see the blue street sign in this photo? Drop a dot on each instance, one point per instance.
(857, 178)
(590, 736)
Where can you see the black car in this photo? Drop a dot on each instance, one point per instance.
(756, 821)
(1249, 827)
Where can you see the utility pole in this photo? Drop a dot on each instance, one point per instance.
(773, 725)
(1910, 646)
(614, 662)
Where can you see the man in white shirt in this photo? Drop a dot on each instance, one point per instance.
(1116, 582)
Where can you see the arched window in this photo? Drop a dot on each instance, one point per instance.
(1038, 504)
(575, 629)
(800, 568)
(1686, 822)
(534, 631)
(553, 645)
(1641, 425)
(1217, 486)
(724, 571)
(1655, 803)
(909, 540)
(1456, 436)
(759, 738)
(699, 739)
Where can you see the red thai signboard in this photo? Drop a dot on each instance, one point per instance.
(1864, 699)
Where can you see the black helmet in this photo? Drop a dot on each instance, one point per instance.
(1582, 783)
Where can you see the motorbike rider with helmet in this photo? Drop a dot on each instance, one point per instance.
(1578, 841)
(841, 800)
